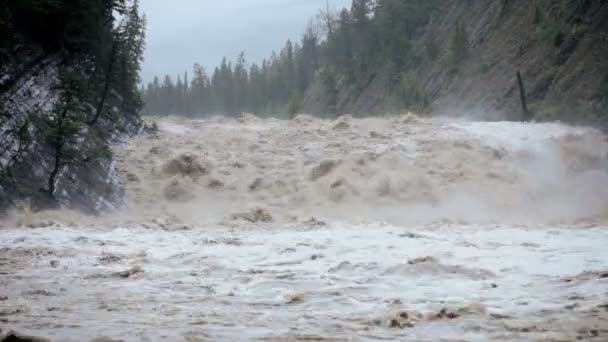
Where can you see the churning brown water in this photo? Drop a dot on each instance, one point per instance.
(395, 228)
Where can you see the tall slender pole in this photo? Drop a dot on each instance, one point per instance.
(526, 116)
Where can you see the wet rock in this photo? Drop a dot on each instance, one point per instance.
(132, 272)
(11, 311)
(44, 293)
(341, 126)
(572, 306)
(402, 319)
(238, 165)
(495, 315)
(314, 222)
(586, 276)
(524, 329)
(156, 150)
(255, 185)
(410, 235)
(337, 184)
(215, 184)
(376, 135)
(421, 260)
(257, 215)
(588, 332)
(131, 177)
(185, 165)
(108, 258)
(295, 299)
(40, 224)
(15, 337)
(324, 168)
(443, 314)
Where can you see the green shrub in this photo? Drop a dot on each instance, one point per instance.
(459, 46)
(551, 34)
(295, 104)
(412, 95)
(330, 90)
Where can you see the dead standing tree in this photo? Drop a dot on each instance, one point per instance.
(526, 115)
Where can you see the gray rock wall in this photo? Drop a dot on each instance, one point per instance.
(26, 84)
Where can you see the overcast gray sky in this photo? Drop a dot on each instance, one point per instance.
(182, 32)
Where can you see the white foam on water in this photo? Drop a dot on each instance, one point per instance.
(508, 218)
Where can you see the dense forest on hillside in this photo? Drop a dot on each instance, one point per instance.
(344, 48)
(419, 55)
(65, 66)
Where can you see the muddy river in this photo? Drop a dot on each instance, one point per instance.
(385, 229)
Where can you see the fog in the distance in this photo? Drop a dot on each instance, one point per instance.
(182, 32)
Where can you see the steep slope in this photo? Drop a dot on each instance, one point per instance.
(26, 158)
(68, 90)
(560, 47)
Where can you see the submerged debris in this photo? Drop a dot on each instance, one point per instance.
(257, 215)
(15, 337)
(108, 258)
(313, 222)
(324, 168)
(186, 165)
(422, 260)
(586, 276)
(130, 273)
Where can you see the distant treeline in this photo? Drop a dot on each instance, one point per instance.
(342, 50)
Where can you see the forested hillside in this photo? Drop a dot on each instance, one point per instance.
(69, 75)
(456, 57)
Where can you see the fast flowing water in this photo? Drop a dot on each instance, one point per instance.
(395, 228)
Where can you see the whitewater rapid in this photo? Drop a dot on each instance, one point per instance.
(402, 170)
(396, 228)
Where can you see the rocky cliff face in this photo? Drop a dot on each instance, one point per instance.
(27, 83)
(560, 47)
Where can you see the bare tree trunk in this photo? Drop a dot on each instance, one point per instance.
(59, 143)
(314, 56)
(526, 116)
(106, 86)
(328, 18)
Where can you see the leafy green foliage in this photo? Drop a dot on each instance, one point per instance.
(412, 93)
(459, 46)
(330, 89)
(295, 104)
(551, 34)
